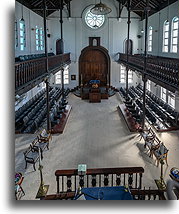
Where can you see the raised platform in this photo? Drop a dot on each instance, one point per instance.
(132, 125)
(61, 126)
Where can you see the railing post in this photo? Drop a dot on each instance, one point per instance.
(58, 188)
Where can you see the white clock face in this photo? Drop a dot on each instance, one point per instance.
(94, 21)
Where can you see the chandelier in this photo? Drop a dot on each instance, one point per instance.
(100, 9)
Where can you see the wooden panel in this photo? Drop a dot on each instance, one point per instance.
(94, 65)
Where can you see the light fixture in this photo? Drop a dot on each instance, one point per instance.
(168, 12)
(100, 9)
(22, 19)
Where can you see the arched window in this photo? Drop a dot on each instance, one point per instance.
(150, 39)
(41, 39)
(165, 36)
(16, 34)
(174, 34)
(22, 34)
(37, 38)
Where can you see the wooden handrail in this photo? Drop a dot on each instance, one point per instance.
(101, 171)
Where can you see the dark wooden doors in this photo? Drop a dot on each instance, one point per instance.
(59, 47)
(130, 46)
(94, 65)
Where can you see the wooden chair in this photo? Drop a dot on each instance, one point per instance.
(147, 135)
(44, 136)
(161, 153)
(153, 145)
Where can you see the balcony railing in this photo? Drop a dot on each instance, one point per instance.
(68, 181)
(161, 69)
(28, 71)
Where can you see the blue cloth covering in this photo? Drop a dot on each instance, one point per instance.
(94, 82)
(107, 193)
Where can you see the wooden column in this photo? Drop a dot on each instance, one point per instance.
(61, 25)
(46, 65)
(128, 33)
(62, 79)
(144, 78)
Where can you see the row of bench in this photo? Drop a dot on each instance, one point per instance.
(35, 116)
(22, 110)
(162, 110)
(161, 116)
(31, 56)
(35, 150)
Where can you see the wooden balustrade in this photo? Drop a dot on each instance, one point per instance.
(69, 180)
(162, 69)
(29, 70)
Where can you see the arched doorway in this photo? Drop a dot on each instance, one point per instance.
(94, 64)
(130, 46)
(59, 46)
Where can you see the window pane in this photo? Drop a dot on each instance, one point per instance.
(174, 48)
(175, 25)
(166, 34)
(21, 25)
(166, 42)
(21, 47)
(174, 41)
(21, 33)
(175, 33)
(165, 48)
(21, 40)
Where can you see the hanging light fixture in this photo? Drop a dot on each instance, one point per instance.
(100, 9)
(168, 12)
(22, 19)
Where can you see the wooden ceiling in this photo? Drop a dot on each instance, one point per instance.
(136, 5)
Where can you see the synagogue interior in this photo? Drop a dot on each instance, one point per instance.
(96, 99)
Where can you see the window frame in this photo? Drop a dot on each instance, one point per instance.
(171, 96)
(122, 74)
(163, 94)
(165, 46)
(149, 84)
(22, 35)
(150, 35)
(173, 36)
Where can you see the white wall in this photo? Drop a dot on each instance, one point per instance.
(31, 20)
(156, 21)
(76, 35)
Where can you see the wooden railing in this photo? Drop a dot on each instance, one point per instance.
(69, 180)
(28, 71)
(160, 68)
